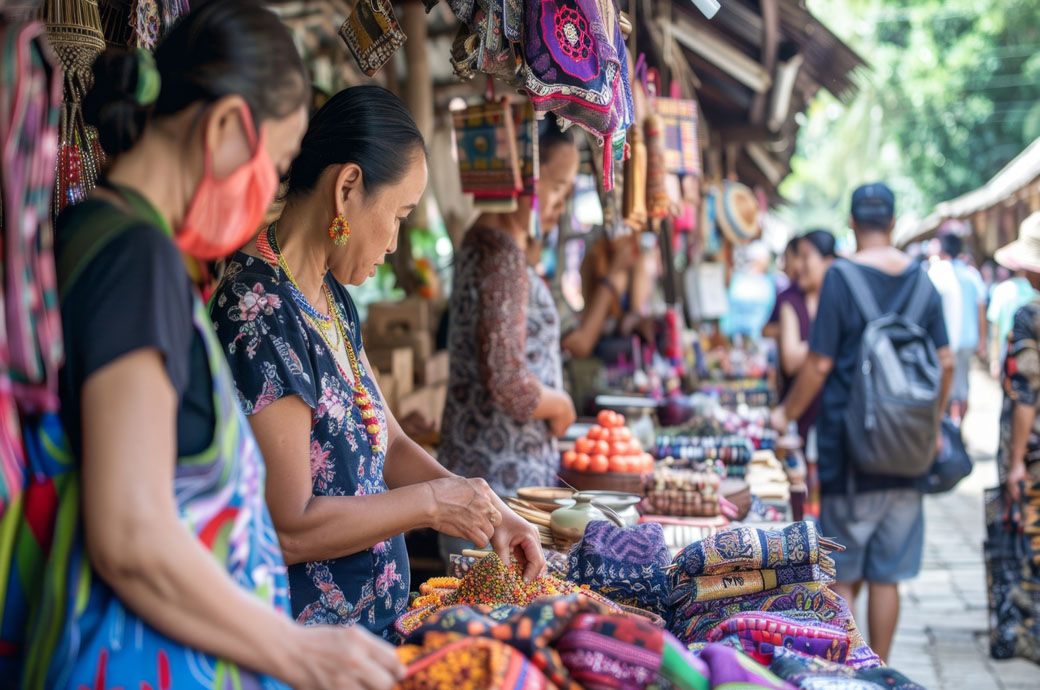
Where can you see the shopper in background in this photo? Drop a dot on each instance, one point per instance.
(881, 525)
(1005, 299)
(751, 295)
(172, 575)
(786, 280)
(964, 310)
(506, 405)
(797, 307)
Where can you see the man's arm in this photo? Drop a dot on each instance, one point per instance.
(806, 387)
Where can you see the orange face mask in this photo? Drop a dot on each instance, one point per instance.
(224, 214)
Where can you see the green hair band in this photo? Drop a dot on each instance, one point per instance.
(148, 80)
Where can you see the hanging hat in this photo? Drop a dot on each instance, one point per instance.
(1024, 253)
(738, 213)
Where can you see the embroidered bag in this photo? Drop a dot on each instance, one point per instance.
(372, 34)
(489, 160)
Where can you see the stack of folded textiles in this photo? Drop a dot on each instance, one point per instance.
(764, 589)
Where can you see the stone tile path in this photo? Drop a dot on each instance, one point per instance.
(941, 641)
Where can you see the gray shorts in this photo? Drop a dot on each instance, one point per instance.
(961, 372)
(882, 532)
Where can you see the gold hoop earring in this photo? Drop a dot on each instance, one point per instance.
(339, 231)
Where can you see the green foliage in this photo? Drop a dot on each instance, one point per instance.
(953, 95)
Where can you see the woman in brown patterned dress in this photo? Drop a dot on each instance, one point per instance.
(506, 404)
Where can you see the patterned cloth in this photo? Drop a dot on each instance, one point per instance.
(628, 565)
(372, 34)
(452, 660)
(486, 145)
(504, 341)
(726, 585)
(730, 668)
(813, 673)
(274, 353)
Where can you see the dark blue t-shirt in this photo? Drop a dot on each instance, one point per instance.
(837, 334)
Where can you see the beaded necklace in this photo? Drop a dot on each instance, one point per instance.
(267, 246)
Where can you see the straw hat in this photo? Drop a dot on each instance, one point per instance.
(738, 213)
(1024, 253)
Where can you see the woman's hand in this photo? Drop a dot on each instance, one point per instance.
(465, 508)
(1016, 477)
(329, 657)
(518, 538)
(563, 414)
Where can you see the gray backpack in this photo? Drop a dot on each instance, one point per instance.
(893, 414)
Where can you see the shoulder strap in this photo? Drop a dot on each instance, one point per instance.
(861, 293)
(104, 225)
(915, 308)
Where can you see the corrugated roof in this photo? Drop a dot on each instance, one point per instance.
(829, 61)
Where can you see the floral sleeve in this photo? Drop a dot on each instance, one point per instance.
(263, 340)
(502, 326)
(1023, 361)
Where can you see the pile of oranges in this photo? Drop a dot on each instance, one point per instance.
(608, 447)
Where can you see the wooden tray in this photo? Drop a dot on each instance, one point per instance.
(628, 482)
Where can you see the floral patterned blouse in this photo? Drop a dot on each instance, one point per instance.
(274, 352)
(504, 341)
(1021, 386)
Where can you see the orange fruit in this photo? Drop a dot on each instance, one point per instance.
(619, 420)
(619, 463)
(603, 448)
(605, 418)
(635, 447)
(584, 445)
(581, 462)
(618, 448)
(599, 463)
(568, 458)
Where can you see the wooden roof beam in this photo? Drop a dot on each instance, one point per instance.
(706, 43)
(770, 47)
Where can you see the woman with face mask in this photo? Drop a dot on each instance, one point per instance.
(165, 570)
(344, 481)
(506, 404)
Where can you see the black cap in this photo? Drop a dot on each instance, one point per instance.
(873, 203)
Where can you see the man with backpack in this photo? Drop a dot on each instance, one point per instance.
(880, 352)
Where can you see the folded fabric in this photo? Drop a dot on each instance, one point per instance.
(612, 652)
(759, 634)
(628, 565)
(747, 548)
(713, 587)
(452, 660)
(811, 672)
(730, 668)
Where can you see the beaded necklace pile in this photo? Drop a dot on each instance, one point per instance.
(267, 247)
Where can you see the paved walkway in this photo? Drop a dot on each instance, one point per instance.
(942, 639)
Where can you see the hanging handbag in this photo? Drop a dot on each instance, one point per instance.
(1012, 582)
(951, 465)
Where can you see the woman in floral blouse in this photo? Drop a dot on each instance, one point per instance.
(506, 404)
(343, 480)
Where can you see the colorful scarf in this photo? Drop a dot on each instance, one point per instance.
(628, 565)
(731, 668)
(452, 660)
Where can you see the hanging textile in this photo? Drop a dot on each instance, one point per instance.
(30, 327)
(681, 149)
(577, 67)
(74, 31)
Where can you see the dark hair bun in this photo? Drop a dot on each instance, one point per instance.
(112, 105)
